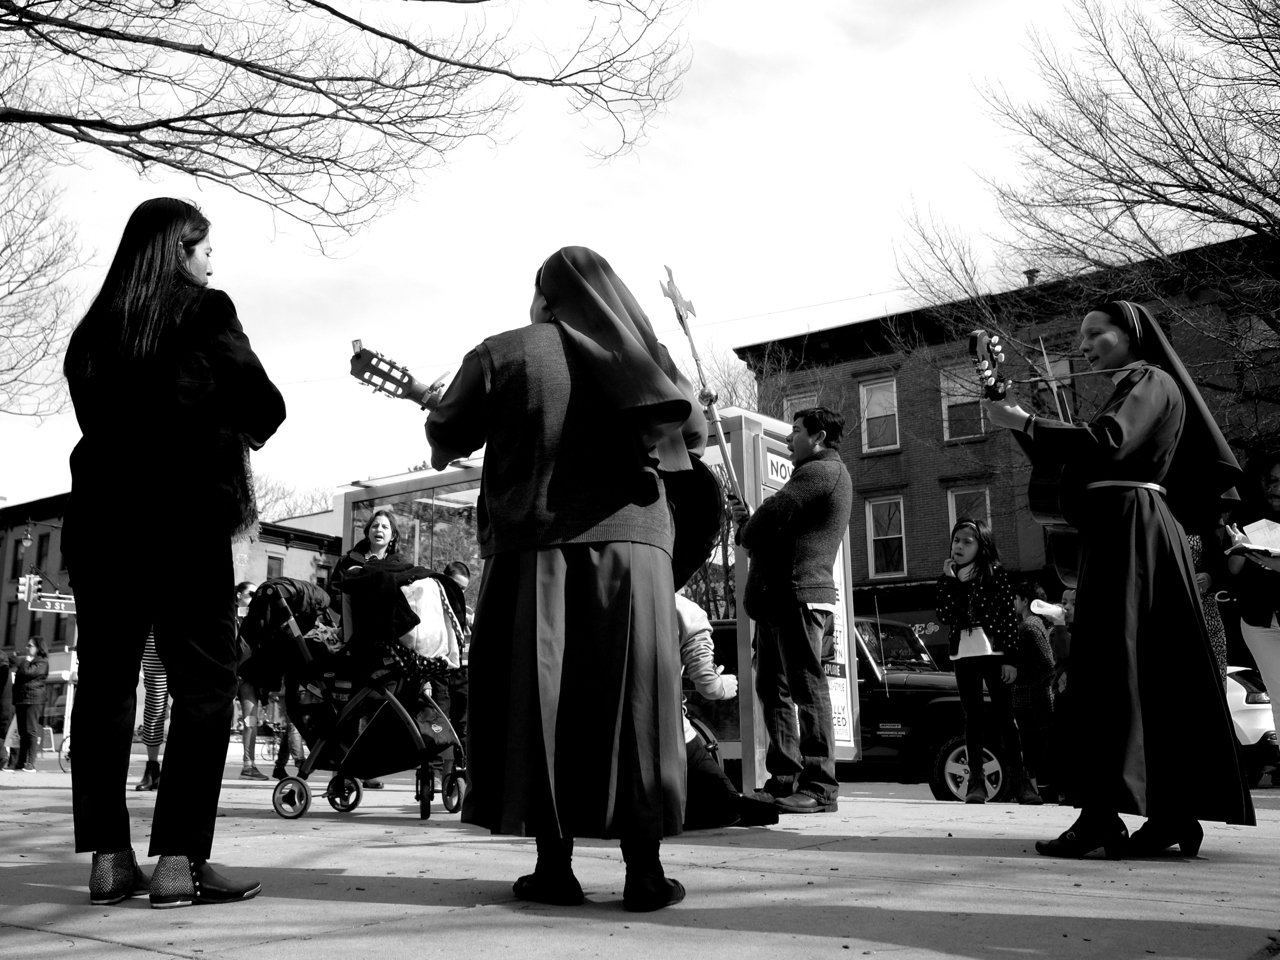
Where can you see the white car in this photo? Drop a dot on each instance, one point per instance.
(1253, 721)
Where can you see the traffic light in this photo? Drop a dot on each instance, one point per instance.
(22, 589)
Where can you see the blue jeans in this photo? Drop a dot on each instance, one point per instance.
(796, 699)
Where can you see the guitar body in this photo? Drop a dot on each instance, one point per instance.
(1051, 494)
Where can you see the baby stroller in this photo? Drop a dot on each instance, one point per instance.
(363, 707)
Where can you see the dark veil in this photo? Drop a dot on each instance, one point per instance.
(613, 338)
(1204, 473)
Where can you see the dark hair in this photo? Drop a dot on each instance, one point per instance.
(822, 418)
(1029, 590)
(146, 288)
(394, 544)
(987, 562)
(242, 586)
(456, 568)
(39, 642)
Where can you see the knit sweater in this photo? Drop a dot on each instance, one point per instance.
(986, 603)
(794, 535)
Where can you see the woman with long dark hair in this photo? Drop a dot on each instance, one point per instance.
(976, 598)
(1151, 732)
(170, 397)
(28, 700)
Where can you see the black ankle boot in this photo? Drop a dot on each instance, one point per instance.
(552, 880)
(180, 882)
(115, 877)
(150, 776)
(647, 887)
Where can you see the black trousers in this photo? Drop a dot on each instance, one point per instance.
(971, 674)
(793, 687)
(450, 694)
(191, 606)
(711, 800)
(28, 732)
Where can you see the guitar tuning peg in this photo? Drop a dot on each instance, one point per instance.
(983, 365)
(995, 340)
(1000, 357)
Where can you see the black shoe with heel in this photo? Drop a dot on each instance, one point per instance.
(150, 776)
(1084, 837)
(1158, 835)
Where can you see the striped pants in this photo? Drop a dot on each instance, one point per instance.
(157, 686)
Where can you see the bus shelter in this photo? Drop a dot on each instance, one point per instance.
(436, 515)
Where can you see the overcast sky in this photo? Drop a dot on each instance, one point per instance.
(776, 181)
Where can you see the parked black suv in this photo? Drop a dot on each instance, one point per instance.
(912, 725)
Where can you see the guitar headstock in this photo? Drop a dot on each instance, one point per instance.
(988, 355)
(386, 376)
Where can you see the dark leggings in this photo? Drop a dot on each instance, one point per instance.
(29, 732)
(971, 674)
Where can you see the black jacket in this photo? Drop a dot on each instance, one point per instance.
(28, 685)
(986, 603)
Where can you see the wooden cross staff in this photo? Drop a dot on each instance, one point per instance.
(706, 396)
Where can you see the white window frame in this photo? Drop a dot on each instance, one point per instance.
(871, 538)
(951, 503)
(862, 411)
(959, 385)
(798, 401)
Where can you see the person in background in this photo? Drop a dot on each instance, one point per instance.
(1033, 688)
(1255, 576)
(248, 695)
(165, 386)
(793, 538)
(28, 701)
(153, 711)
(8, 718)
(976, 599)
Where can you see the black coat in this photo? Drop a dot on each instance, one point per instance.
(175, 426)
(28, 685)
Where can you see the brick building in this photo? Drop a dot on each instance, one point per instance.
(917, 445)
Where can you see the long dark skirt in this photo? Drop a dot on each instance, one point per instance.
(1149, 722)
(575, 726)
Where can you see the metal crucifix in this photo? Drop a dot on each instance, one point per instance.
(706, 396)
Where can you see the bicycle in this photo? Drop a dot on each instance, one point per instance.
(64, 754)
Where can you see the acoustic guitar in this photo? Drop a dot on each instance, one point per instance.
(695, 497)
(1049, 494)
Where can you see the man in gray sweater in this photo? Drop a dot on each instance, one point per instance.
(792, 539)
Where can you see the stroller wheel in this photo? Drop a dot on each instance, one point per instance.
(344, 794)
(455, 788)
(291, 798)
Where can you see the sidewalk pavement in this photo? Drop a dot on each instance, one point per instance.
(892, 874)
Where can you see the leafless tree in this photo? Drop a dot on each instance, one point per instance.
(327, 115)
(37, 250)
(278, 500)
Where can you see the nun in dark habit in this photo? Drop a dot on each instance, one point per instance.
(1151, 731)
(575, 722)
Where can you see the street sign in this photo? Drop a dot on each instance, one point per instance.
(52, 603)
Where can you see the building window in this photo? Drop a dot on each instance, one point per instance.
(886, 538)
(275, 567)
(11, 624)
(961, 406)
(879, 415)
(798, 401)
(60, 631)
(973, 502)
(42, 551)
(15, 568)
(34, 624)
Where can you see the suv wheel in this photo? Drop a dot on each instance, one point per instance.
(949, 773)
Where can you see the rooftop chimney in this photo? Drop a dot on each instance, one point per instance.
(1031, 275)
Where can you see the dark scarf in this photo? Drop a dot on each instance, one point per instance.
(1204, 473)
